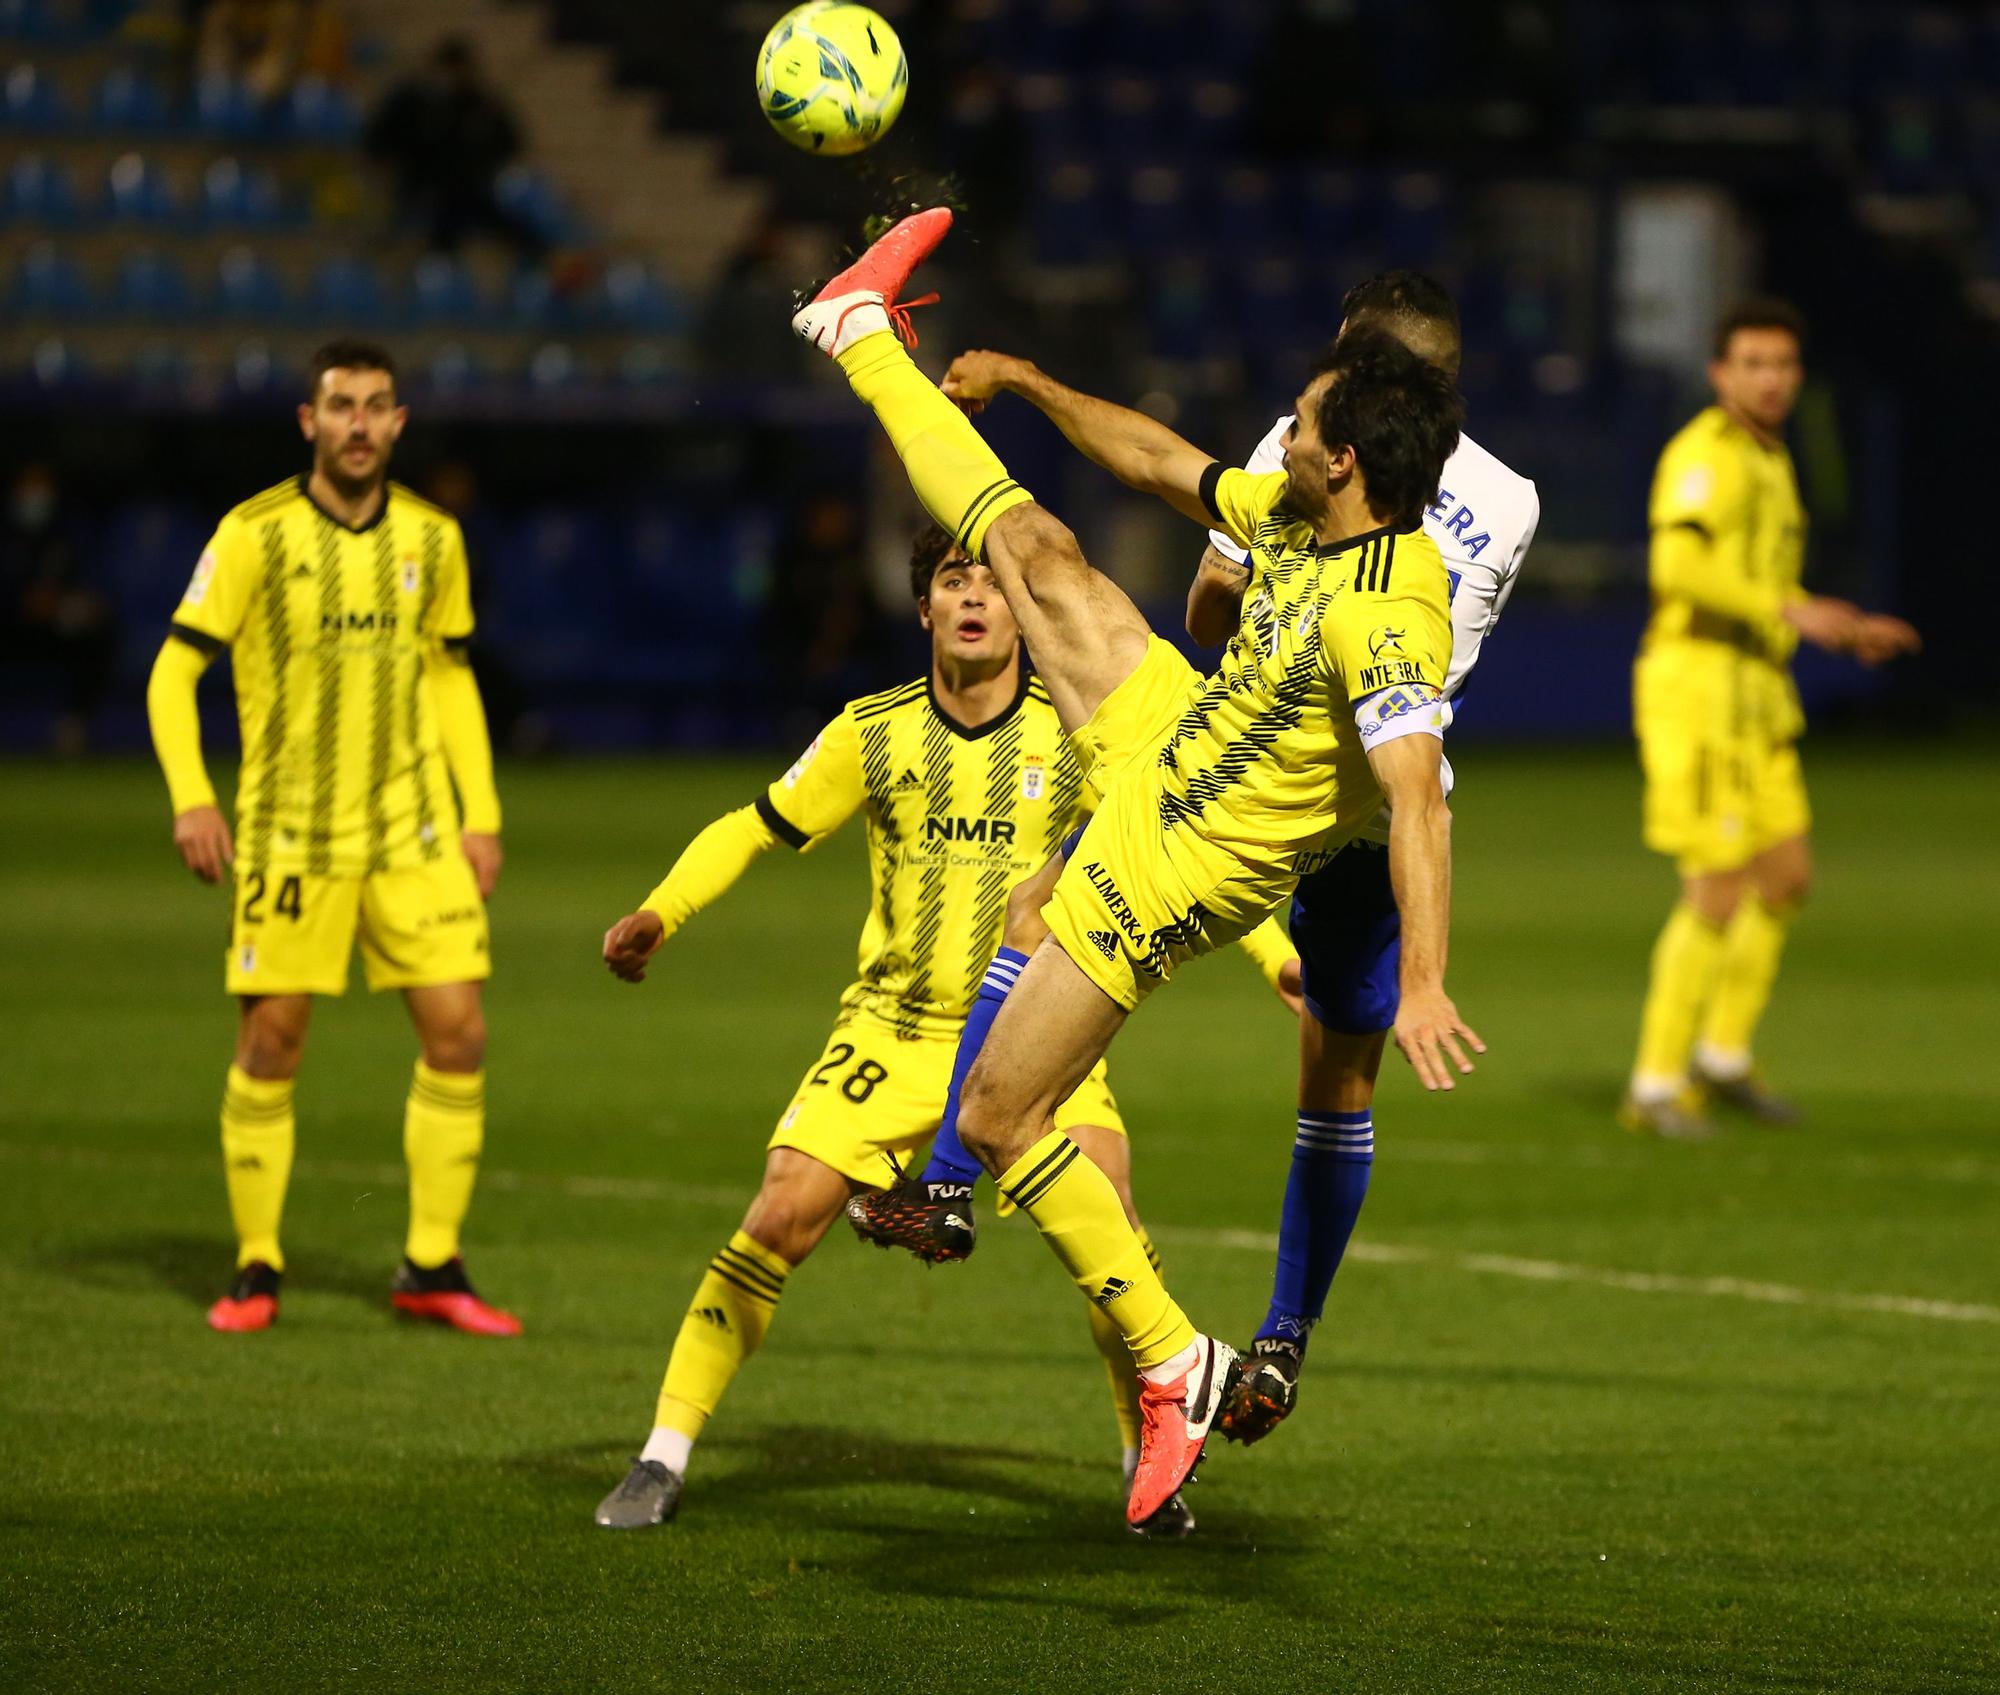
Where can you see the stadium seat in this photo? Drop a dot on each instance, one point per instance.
(532, 198)
(236, 196)
(454, 369)
(48, 283)
(137, 191)
(31, 102)
(346, 290)
(636, 298)
(224, 107)
(443, 292)
(41, 191)
(128, 101)
(153, 288)
(248, 289)
(318, 112)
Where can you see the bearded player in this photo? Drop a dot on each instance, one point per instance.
(344, 605)
(1327, 701)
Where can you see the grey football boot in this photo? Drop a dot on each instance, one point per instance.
(650, 1495)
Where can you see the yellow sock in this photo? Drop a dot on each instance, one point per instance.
(1076, 1209)
(956, 475)
(1751, 949)
(258, 1132)
(444, 1126)
(732, 1308)
(1118, 1363)
(1685, 959)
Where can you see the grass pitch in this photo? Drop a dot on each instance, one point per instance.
(1587, 1412)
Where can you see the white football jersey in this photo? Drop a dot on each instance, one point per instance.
(1483, 519)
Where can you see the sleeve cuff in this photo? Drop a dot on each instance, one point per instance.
(779, 825)
(208, 646)
(1211, 480)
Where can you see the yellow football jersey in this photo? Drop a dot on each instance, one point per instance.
(1339, 649)
(328, 629)
(1718, 607)
(956, 817)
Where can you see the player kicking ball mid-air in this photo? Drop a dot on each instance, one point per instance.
(1327, 702)
(344, 605)
(1343, 918)
(967, 783)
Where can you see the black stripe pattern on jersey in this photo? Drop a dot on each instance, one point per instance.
(989, 905)
(427, 837)
(1065, 791)
(382, 700)
(326, 707)
(878, 705)
(261, 807)
(1047, 1173)
(271, 500)
(875, 780)
(927, 916)
(1374, 565)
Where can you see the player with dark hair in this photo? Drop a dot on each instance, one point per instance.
(1327, 701)
(967, 784)
(1718, 722)
(344, 604)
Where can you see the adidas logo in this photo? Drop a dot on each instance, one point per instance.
(1113, 1288)
(713, 1315)
(1105, 942)
(909, 779)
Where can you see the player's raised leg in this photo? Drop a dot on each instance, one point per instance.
(1053, 1030)
(732, 1308)
(258, 1135)
(444, 1131)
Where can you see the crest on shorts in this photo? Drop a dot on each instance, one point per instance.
(246, 958)
(1034, 777)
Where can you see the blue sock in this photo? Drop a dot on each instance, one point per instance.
(1330, 1164)
(950, 1163)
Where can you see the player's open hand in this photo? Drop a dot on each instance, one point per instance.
(1881, 637)
(206, 848)
(975, 378)
(631, 942)
(1430, 1033)
(1292, 987)
(483, 851)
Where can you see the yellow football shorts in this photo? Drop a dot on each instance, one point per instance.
(1134, 718)
(1134, 903)
(1714, 803)
(872, 1094)
(294, 933)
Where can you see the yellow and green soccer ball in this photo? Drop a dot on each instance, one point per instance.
(831, 77)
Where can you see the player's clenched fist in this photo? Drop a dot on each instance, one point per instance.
(1429, 1031)
(975, 378)
(202, 835)
(631, 942)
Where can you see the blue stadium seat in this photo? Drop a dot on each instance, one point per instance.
(30, 102)
(443, 292)
(248, 289)
(127, 100)
(316, 111)
(1071, 226)
(153, 288)
(1156, 211)
(238, 196)
(161, 365)
(455, 369)
(224, 107)
(637, 298)
(40, 190)
(347, 290)
(254, 374)
(29, 20)
(48, 283)
(531, 197)
(137, 191)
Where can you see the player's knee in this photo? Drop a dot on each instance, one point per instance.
(1787, 888)
(783, 1220)
(272, 1040)
(456, 1043)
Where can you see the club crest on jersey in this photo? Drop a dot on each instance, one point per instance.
(410, 573)
(798, 770)
(204, 573)
(1034, 777)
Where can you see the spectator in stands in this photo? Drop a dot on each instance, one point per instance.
(446, 136)
(267, 45)
(52, 617)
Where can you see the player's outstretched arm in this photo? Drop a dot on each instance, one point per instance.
(468, 751)
(1840, 626)
(706, 870)
(1139, 451)
(201, 833)
(1428, 1028)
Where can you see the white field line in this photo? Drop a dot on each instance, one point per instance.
(647, 1191)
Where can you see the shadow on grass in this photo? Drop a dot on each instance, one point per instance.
(1048, 1530)
(198, 1268)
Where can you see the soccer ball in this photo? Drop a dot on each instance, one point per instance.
(831, 77)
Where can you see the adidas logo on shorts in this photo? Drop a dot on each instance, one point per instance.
(713, 1315)
(1113, 1288)
(1105, 942)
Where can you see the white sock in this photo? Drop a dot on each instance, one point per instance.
(1649, 1090)
(1182, 1363)
(670, 1447)
(1725, 1063)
